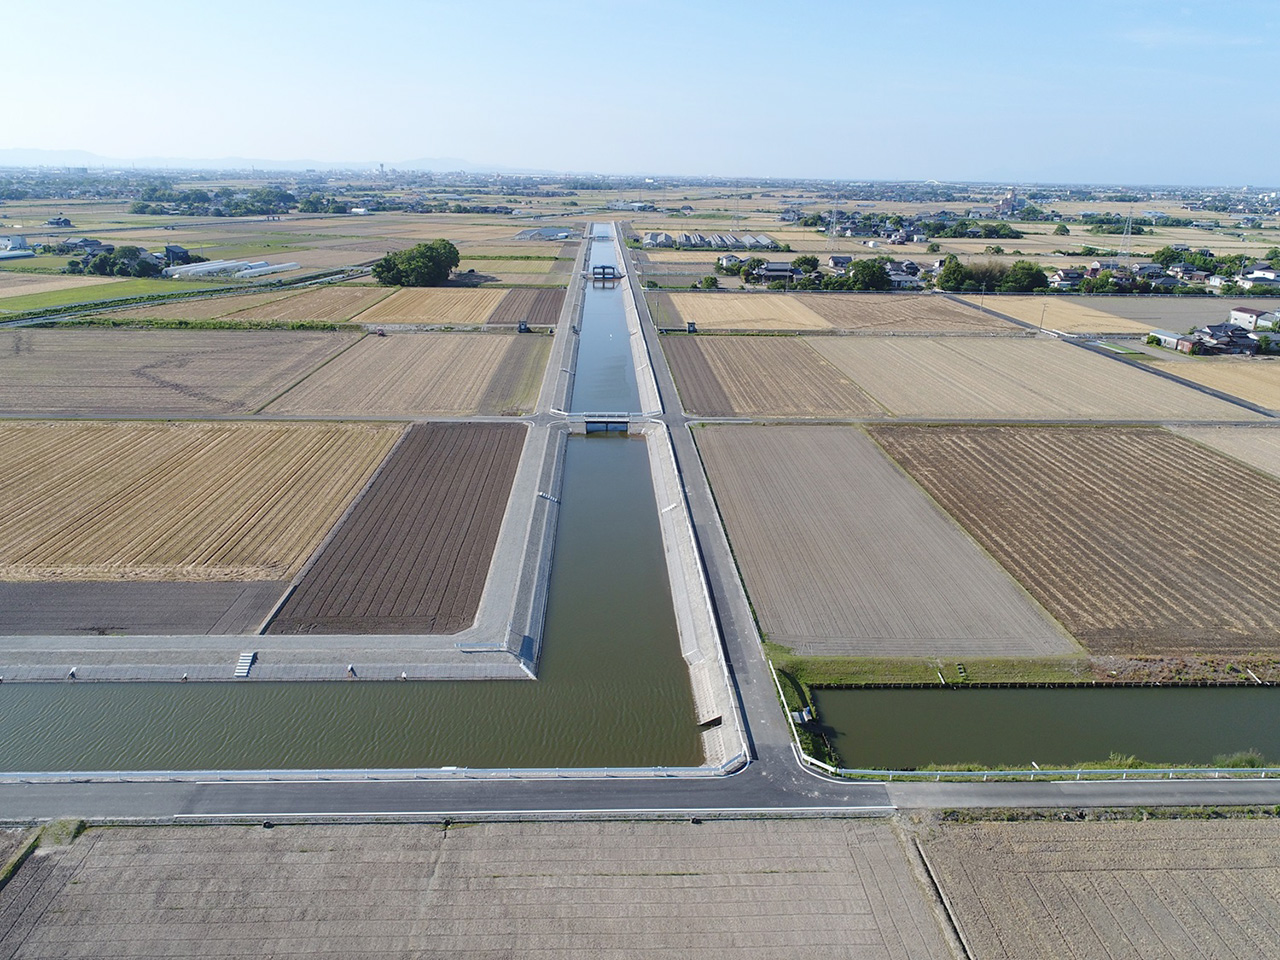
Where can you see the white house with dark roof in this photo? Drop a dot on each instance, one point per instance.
(1252, 318)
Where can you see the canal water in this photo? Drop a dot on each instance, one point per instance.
(905, 729)
(613, 689)
(605, 375)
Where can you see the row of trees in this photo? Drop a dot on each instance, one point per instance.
(426, 265)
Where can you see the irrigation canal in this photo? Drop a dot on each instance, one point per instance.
(612, 688)
(573, 724)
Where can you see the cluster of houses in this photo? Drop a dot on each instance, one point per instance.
(715, 241)
(1164, 279)
(1236, 336)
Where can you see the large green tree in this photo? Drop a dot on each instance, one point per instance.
(868, 275)
(952, 276)
(426, 265)
(1023, 277)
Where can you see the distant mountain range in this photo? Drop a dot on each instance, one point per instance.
(22, 157)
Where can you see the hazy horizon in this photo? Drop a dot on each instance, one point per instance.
(1117, 94)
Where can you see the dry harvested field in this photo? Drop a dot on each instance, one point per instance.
(1012, 378)
(1135, 316)
(413, 555)
(23, 284)
(761, 376)
(1258, 447)
(1102, 526)
(331, 304)
(745, 311)
(242, 501)
(1256, 379)
(435, 305)
(837, 545)
(205, 308)
(719, 890)
(907, 313)
(425, 374)
(539, 307)
(313, 258)
(1099, 891)
(91, 372)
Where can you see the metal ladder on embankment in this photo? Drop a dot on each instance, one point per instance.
(245, 664)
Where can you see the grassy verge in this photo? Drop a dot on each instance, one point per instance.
(860, 671)
(95, 293)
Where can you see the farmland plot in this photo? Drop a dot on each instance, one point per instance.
(425, 374)
(1255, 379)
(1080, 314)
(843, 555)
(204, 308)
(244, 501)
(539, 307)
(1102, 527)
(746, 311)
(70, 372)
(21, 284)
(1080, 891)
(413, 555)
(434, 305)
(1257, 447)
(332, 304)
(761, 376)
(903, 313)
(1003, 378)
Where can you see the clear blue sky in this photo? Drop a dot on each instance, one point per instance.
(1122, 91)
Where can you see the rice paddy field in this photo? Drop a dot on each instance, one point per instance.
(134, 501)
(1259, 447)
(448, 306)
(1014, 379)
(762, 377)
(1256, 379)
(1095, 523)
(203, 308)
(1103, 890)
(1128, 315)
(902, 313)
(118, 289)
(744, 311)
(425, 374)
(13, 284)
(324, 304)
(836, 546)
(148, 373)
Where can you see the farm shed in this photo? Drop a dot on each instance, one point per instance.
(1173, 341)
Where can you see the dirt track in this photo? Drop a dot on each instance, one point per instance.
(413, 555)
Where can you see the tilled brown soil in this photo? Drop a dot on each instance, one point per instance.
(1140, 542)
(539, 307)
(413, 555)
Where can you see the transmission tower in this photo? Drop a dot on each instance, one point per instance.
(1127, 242)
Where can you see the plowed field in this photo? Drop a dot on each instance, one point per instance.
(761, 376)
(92, 501)
(435, 305)
(1100, 891)
(425, 374)
(1138, 541)
(154, 372)
(903, 313)
(745, 311)
(413, 555)
(1256, 379)
(843, 555)
(539, 307)
(1001, 378)
(333, 304)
